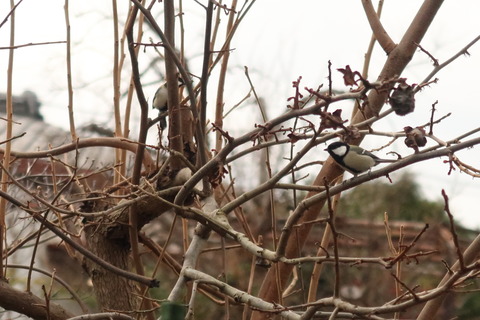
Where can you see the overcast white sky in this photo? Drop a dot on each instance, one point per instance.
(278, 41)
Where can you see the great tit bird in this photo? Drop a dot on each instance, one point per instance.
(160, 102)
(353, 158)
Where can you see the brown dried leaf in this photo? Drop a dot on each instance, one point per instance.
(348, 76)
(332, 120)
(402, 99)
(217, 175)
(293, 137)
(416, 137)
(351, 133)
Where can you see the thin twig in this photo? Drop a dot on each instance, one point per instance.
(121, 143)
(116, 94)
(133, 212)
(69, 75)
(10, 13)
(371, 45)
(334, 314)
(47, 301)
(331, 223)
(8, 138)
(207, 47)
(430, 132)
(219, 116)
(191, 304)
(435, 70)
(397, 279)
(31, 43)
(408, 247)
(452, 230)
(435, 61)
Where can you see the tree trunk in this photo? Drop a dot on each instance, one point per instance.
(114, 293)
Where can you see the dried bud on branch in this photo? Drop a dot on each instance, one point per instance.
(415, 137)
(402, 99)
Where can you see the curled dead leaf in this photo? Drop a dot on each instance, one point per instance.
(402, 99)
(416, 137)
(348, 76)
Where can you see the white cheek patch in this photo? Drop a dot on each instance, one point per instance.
(340, 151)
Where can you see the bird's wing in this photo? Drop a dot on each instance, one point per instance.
(377, 159)
(363, 151)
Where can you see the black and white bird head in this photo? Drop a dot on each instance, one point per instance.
(160, 101)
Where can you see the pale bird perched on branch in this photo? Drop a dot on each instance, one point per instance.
(160, 102)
